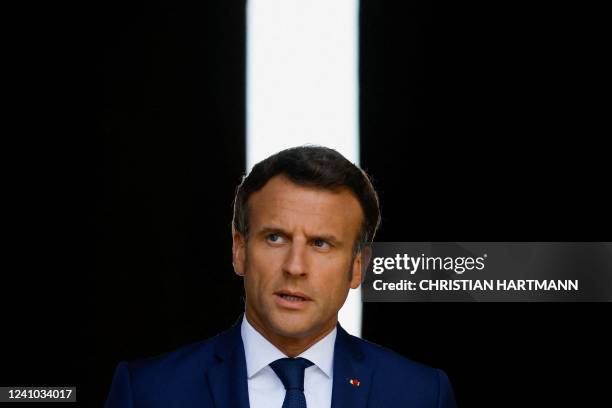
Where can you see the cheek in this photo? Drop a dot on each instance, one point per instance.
(335, 282)
(260, 267)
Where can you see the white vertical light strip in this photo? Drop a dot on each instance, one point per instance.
(302, 86)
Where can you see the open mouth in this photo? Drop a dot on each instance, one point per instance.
(292, 298)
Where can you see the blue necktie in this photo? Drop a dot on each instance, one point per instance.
(291, 373)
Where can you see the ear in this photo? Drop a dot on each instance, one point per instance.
(360, 265)
(238, 252)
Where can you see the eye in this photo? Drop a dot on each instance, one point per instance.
(274, 238)
(319, 243)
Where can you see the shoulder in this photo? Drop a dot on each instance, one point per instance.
(171, 379)
(403, 379)
(177, 368)
(174, 378)
(386, 360)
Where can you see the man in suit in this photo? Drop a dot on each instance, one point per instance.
(302, 221)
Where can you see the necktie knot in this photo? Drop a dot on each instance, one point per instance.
(291, 371)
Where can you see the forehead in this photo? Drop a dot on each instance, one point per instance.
(283, 203)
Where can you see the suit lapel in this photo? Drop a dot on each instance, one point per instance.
(228, 378)
(350, 366)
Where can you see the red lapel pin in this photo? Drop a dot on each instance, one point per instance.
(354, 382)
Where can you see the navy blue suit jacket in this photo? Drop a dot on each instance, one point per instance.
(212, 373)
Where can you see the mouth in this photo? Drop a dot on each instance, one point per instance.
(292, 296)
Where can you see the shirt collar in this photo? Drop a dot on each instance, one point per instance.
(259, 352)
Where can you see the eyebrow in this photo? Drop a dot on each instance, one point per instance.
(269, 229)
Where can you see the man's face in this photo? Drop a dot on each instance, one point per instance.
(300, 243)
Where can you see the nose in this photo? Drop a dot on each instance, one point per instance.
(295, 260)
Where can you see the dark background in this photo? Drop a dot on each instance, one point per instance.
(478, 122)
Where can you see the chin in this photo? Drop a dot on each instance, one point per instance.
(293, 326)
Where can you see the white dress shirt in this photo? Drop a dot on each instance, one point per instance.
(265, 388)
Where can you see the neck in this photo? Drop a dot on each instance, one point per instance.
(290, 346)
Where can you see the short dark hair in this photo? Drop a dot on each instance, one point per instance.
(312, 166)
